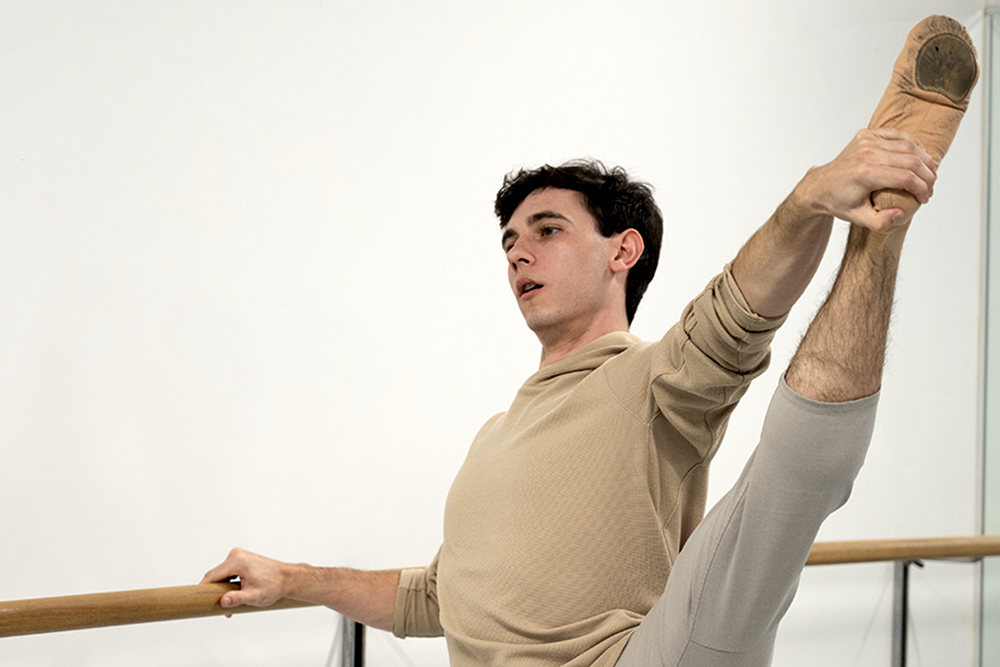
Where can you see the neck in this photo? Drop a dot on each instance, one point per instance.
(558, 347)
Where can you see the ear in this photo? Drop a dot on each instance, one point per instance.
(628, 250)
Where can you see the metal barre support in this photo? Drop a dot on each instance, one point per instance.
(352, 649)
(901, 609)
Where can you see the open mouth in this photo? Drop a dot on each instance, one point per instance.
(527, 286)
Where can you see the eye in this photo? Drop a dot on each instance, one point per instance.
(548, 231)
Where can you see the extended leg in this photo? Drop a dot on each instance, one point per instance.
(736, 576)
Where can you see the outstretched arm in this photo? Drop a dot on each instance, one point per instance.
(368, 597)
(775, 266)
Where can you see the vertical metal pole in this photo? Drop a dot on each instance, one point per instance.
(352, 650)
(900, 602)
(359, 645)
(901, 609)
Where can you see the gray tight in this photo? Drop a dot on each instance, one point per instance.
(737, 574)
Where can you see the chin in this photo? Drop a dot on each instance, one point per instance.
(540, 322)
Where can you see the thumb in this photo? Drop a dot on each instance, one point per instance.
(889, 218)
(880, 221)
(232, 599)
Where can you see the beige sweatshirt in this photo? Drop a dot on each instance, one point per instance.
(564, 521)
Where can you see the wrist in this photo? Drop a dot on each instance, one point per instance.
(806, 201)
(296, 580)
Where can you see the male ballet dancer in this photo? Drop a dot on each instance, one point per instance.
(573, 532)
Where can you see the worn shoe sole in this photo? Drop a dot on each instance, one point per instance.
(946, 64)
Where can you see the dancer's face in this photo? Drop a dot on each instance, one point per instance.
(558, 263)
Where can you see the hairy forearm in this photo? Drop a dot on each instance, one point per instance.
(367, 597)
(776, 265)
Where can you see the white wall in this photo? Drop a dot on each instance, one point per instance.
(251, 291)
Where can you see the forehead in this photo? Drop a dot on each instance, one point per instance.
(569, 203)
(550, 203)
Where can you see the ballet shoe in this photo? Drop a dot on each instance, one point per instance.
(928, 94)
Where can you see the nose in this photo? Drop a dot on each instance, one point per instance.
(519, 253)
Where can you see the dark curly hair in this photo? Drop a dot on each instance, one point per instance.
(616, 202)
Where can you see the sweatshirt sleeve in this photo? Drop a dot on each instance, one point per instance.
(416, 613)
(705, 363)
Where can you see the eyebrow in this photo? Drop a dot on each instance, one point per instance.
(533, 219)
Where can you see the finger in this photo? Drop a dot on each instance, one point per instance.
(893, 134)
(914, 177)
(221, 572)
(915, 155)
(234, 566)
(898, 173)
(898, 141)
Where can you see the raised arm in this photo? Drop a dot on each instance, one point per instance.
(774, 267)
(366, 596)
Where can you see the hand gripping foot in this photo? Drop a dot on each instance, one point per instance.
(928, 94)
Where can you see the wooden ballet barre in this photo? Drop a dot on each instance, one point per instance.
(78, 612)
(930, 548)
